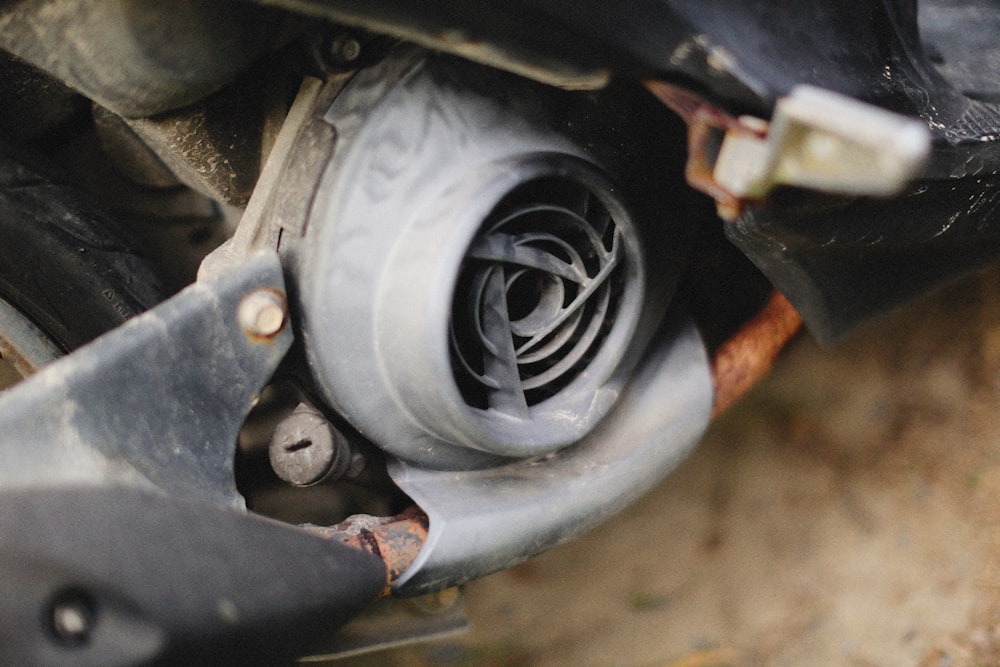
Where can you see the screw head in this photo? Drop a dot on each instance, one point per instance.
(345, 49)
(305, 449)
(72, 615)
(263, 313)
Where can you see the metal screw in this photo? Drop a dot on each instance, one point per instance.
(305, 448)
(72, 618)
(262, 313)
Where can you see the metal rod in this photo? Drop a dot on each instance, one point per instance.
(750, 353)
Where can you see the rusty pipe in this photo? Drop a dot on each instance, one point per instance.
(749, 354)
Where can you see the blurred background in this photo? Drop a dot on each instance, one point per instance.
(846, 512)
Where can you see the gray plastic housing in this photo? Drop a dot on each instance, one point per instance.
(483, 521)
(426, 151)
(429, 150)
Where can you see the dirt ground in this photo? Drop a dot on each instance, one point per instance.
(847, 512)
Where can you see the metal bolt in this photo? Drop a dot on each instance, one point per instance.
(356, 466)
(305, 448)
(438, 602)
(263, 313)
(345, 49)
(72, 618)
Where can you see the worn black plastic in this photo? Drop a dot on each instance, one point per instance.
(158, 580)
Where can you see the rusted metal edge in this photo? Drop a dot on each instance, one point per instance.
(707, 126)
(395, 540)
(749, 354)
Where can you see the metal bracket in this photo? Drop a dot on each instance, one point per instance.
(159, 401)
(113, 464)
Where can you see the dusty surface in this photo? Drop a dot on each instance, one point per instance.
(847, 512)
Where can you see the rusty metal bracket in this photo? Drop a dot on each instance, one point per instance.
(395, 540)
(708, 126)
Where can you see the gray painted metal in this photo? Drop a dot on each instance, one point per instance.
(157, 402)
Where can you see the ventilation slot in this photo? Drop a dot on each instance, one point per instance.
(537, 295)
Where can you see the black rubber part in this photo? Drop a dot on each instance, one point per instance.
(65, 264)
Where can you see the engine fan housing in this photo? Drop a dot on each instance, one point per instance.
(475, 282)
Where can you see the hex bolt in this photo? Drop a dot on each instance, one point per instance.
(263, 313)
(306, 449)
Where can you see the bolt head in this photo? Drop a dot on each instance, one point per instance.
(263, 313)
(72, 617)
(438, 602)
(305, 449)
(345, 49)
